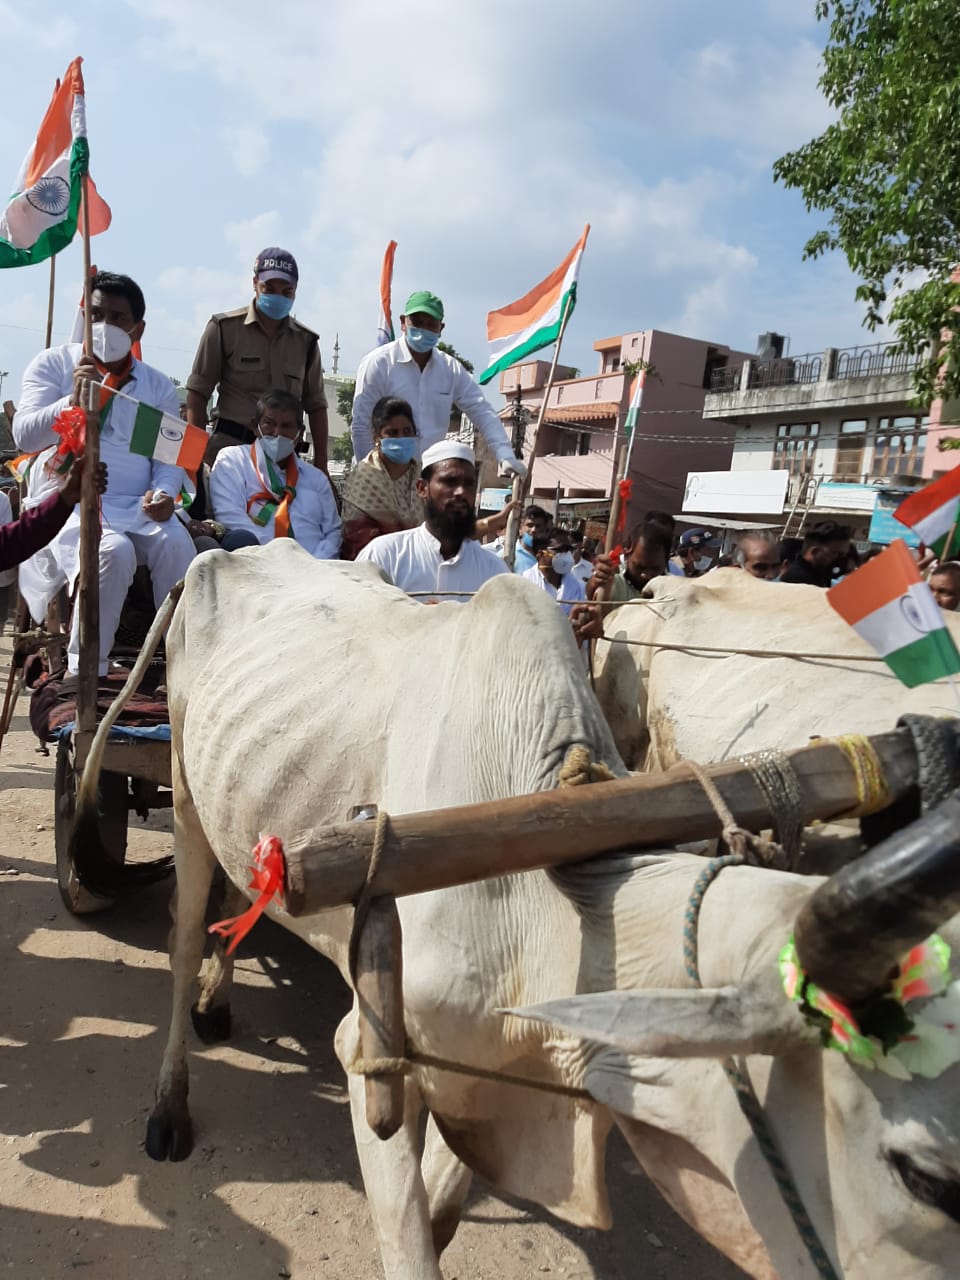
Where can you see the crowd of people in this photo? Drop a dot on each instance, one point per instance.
(408, 505)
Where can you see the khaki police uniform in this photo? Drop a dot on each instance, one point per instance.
(237, 356)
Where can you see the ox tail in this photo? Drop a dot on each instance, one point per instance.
(97, 871)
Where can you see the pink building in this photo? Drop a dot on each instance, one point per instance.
(584, 421)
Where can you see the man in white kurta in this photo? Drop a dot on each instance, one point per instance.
(431, 381)
(141, 493)
(263, 497)
(439, 560)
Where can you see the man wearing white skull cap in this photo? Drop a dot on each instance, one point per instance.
(440, 556)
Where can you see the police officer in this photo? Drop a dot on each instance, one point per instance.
(255, 349)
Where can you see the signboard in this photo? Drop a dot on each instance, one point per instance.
(834, 495)
(884, 528)
(494, 500)
(736, 492)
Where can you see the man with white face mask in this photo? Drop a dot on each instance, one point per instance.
(431, 381)
(553, 571)
(263, 491)
(142, 493)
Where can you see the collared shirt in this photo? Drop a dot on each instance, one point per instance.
(47, 389)
(314, 520)
(413, 562)
(432, 392)
(583, 571)
(237, 356)
(570, 592)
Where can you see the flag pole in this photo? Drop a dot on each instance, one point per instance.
(521, 488)
(88, 599)
(53, 281)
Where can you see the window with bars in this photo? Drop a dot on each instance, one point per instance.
(795, 446)
(900, 446)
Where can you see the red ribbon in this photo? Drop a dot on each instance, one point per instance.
(615, 554)
(268, 874)
(71, 427)
(625, 488)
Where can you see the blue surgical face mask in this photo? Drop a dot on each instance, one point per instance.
(527, 540)
(277, 448)
(275, 306)
(421, 340)
(562, 563)
(398, 448)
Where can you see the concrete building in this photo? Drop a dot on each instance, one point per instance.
(841, 423)
(584, 421)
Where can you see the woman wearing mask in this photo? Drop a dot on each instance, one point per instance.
(552, 572)
(263, 491)
(380, 493)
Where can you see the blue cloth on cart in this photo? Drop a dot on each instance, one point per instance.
(126, 732)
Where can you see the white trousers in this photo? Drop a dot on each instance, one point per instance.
(166, 551)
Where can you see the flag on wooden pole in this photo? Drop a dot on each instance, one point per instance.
(42, 214)
(160, 436)
(633, 413)
(890, 606)
(533, 321)
(385, 322)
(933, 513)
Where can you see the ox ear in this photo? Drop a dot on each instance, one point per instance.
(753, 1018)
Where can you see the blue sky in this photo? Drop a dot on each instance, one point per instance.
(479, 135)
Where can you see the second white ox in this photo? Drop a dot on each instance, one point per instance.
(665, 705)
(300, 689)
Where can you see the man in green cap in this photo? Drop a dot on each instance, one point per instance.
(429, 380)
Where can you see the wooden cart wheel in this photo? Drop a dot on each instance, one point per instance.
(112, 807)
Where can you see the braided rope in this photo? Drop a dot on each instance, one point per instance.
(746, 1097)
(873, 792)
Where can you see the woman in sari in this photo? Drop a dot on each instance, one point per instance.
(380, 493)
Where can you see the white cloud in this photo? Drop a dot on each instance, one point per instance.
(247, 147)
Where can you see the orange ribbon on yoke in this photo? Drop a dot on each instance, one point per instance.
(268, 874)
(281, 510)
(625, 489)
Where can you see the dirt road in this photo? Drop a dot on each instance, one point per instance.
(273, 1188)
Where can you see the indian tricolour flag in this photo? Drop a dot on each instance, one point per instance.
(933, 514)
(167, 439)
(633, 413)
(41, 216)
(385, 320)
(535, 320)
(890, 606)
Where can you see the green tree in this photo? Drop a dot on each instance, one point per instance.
(341, 449)
(345, 392)
(887, 171)
(451, 351)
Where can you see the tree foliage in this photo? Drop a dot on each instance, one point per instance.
(887, 171)
(451, 351)
(345, 392)
(341, 449)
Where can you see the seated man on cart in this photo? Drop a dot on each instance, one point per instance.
(141, 492)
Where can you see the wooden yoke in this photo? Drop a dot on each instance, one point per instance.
(445, 847)
(88, 601)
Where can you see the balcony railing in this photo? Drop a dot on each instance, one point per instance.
(874, 361)
(727, 378)
(785, 371)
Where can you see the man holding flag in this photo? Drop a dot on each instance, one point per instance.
(142, 441)
(412, 369)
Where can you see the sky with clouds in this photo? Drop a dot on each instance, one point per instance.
(480, 135)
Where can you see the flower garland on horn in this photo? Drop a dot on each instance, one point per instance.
(896, 1034)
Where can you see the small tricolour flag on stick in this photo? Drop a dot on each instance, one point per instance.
(633, 413)
(41, 216)
(167, 439)
(385, 321)
(890, 606)
(933, 514)
(534, 321)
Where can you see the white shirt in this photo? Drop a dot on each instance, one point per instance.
(412, 560)
(314, 519)
(47, 388)
(571, 590)
(391, 370)
(583, 571)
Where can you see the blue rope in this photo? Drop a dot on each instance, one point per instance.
(742, 1087)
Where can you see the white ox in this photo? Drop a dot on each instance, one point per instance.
(665, 705)
(299, 690)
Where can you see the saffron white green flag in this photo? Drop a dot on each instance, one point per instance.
(633, 413)
(41, 216)
(933, 513)
(890, 606)
(534, 321)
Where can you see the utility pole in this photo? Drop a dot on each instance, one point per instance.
(520, 419)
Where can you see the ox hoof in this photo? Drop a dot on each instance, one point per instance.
(169, 1139)
(211, 1025)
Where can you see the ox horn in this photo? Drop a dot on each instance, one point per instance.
(852, 932)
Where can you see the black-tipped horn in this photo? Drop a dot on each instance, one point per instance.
(851, 933)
